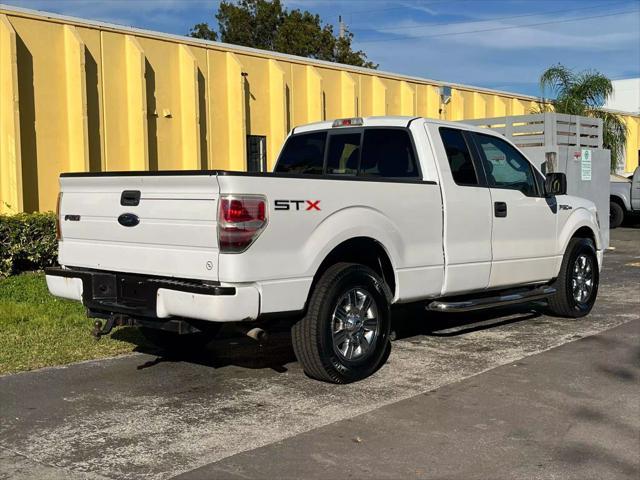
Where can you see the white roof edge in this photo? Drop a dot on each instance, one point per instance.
(392, 121)
(238, 48)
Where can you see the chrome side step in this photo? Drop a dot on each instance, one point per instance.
(506, 298)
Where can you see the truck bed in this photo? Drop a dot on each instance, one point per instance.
(176, 233)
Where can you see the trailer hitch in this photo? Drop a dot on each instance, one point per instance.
(100, 329)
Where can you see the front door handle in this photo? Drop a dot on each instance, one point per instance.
(500, 209)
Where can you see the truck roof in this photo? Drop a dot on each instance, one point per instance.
(388, 121)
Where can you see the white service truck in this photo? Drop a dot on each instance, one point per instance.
(358, 214)
(624, 197)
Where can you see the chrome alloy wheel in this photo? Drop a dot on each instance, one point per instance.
(582, 278)
(355, 324)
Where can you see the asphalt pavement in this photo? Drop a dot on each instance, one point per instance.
(571, 413)
(511, 393)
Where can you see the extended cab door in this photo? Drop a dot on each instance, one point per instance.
(524, 237)
(467, 212)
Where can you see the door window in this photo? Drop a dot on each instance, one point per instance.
(505, 166)
(462, 168)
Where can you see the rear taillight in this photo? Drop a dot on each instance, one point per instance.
(241, 219)
(58, 223)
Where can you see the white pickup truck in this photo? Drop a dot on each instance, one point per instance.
(359, 214)
(624, 197)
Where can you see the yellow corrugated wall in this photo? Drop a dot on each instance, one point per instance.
(81, 96)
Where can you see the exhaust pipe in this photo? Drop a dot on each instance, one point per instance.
(257, 334)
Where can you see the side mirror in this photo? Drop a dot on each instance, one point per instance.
(555, 184)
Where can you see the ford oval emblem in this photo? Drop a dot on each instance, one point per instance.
(128, 220)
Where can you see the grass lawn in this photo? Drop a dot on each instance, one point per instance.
(39, 330)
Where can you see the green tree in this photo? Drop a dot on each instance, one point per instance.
(584, 93)
(202, 30)
(267, 25)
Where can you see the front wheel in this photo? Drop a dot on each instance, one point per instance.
(345, 334)
(577, 283)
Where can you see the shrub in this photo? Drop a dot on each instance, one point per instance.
(27, 242)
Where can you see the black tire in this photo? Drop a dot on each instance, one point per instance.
(564, 303)
(313, 335)
(172, 342)
(616, 214)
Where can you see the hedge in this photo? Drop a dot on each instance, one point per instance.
(27, 242)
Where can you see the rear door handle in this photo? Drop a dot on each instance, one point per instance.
(500, 209)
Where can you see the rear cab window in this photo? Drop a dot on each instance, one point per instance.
(303, 154)
(382, 152)
(388, 153)
(343, 156)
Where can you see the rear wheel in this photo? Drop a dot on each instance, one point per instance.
(616, 214)
(345, 334)
(577, 283)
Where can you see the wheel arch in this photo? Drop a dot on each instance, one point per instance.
(362, 235)
(585, 232)
(581, 224)
(364, 250)
(619, 200)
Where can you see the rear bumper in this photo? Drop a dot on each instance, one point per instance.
(109, 293)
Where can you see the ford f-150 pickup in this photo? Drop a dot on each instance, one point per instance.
(358, 214)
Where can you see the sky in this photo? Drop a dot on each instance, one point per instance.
(499, 44)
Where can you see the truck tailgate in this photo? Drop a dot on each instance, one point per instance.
(172, 231)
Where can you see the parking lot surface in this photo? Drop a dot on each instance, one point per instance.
(505, 394)
(572, 413)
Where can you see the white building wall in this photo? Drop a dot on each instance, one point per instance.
(626, 96)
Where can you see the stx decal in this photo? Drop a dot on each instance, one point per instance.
(297, 205)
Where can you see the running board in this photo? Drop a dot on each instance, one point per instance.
(481, 303)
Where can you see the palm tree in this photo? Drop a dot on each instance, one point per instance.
(584, 93)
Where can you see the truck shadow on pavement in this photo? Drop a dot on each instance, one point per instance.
(230, 348)
(632, 221)
(227, 349)
(413, 320)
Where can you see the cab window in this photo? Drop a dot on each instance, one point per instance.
(459, 156)
(303, 154)
(343, 156)
(388, 153)
(505, 166)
